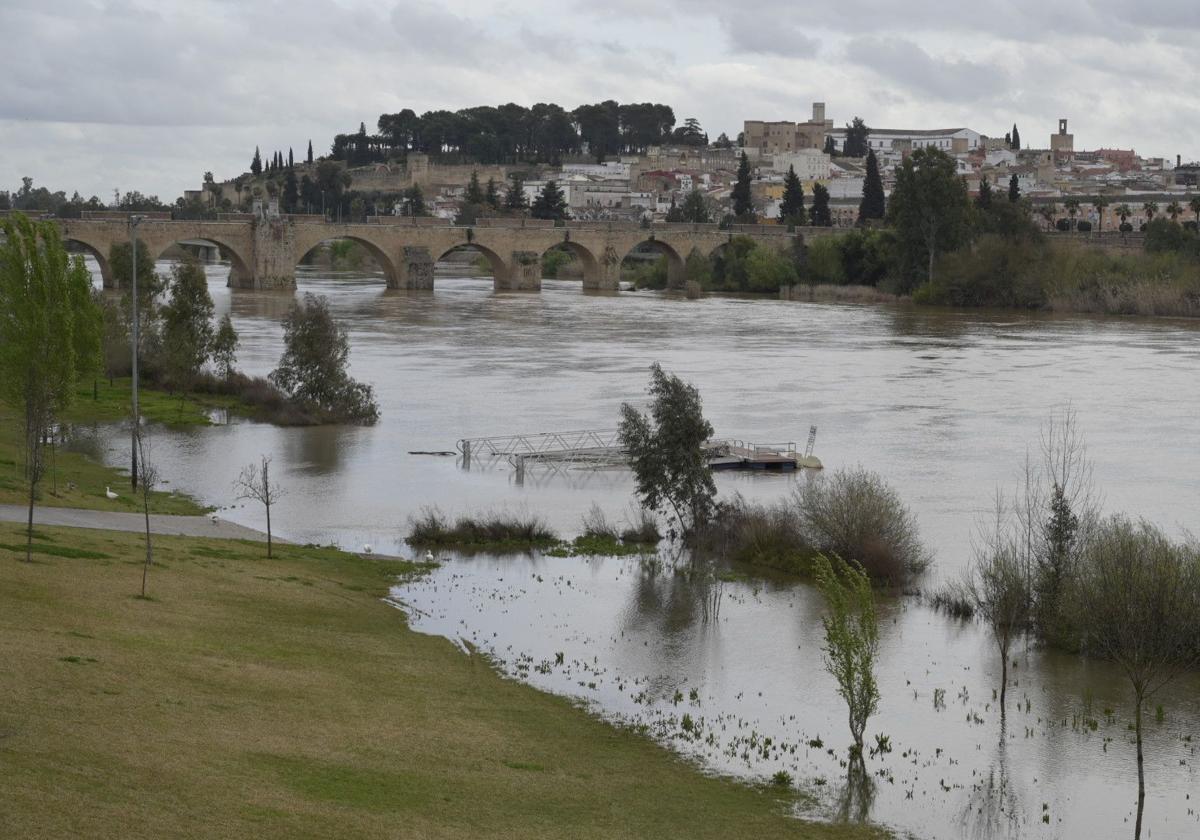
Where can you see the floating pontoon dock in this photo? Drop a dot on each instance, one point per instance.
(602, 448)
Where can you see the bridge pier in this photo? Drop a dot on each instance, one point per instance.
(414, 270)
(274, 256)
(522, 274)
(605, 275)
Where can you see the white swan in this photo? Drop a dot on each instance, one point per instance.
(367, 549)
(213, 517)
(109, 493)
(428, 556)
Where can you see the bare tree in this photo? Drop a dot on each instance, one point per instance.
(149, 478)
(997, 588)
(1138, 597)
(255, 483)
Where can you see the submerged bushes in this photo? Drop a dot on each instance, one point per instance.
(495, 530)
(852, 514)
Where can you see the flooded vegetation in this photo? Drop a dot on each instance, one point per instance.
(717, 654)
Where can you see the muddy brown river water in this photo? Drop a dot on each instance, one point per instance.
(942, 403)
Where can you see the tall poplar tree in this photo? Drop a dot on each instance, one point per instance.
(256, 162)
(309, 151)
(873, 204)
(50, 328)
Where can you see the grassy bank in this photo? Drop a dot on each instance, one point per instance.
(73, 479)
(283, 698)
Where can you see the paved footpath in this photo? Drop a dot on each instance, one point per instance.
(107, 520)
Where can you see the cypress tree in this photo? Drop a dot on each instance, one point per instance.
(873, 204)
(492, 196)
(310, 151)
(474, 194)
(1014, 188)
(256, 162)
(791, 209)
(514, 198)
(821, 215)
(984, 200)
(291, 159)
(1016, 138)
(743, 206)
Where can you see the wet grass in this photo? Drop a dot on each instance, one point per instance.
(237, 701)
(73, 479)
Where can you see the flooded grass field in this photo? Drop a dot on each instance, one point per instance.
(716, 662)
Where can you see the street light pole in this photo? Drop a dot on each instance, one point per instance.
(134, 221)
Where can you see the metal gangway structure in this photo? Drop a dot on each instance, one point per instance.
(600, 448)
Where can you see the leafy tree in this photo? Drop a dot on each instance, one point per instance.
(929, 211)
(851, 639)
(255, 483)
(791, 208)
(695, 208)
(150, 287)
(674, 214)
(187, 323)
(697, 269)
(256, 162)
(667, 452)
(492, 195)
(49, 335)
(743, 206)
(856, 142)
(769, 270)
(984, 200)
(1137, 595)
(114, 342)
(873, 205)
(1014, 188)
(514, 196)
(358, 208)
(550, 203)
(224, 347)
(1194, 206)
(723, 141)
(312, 369)
(821, 215)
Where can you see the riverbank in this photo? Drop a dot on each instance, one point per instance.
(285, 698)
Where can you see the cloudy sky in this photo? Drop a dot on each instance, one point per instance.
(104, 94)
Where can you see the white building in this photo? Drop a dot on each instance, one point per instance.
(607, 171)
(810, 164)
(889, 140)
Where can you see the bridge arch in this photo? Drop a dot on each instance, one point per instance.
(589, 263)
(240, 270)
(387, 264)
(500, 269)
(674, 259)
(106, 275)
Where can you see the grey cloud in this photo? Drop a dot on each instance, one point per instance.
(901, 62)
(754, 34)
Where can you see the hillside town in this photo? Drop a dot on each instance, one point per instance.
(1065, 183)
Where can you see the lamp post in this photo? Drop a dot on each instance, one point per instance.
(134, 221)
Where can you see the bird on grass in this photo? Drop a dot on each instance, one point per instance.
(213, 517)
(366, 549)
(109, 493)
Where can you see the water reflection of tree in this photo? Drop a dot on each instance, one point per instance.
(857, 795)
(317, 450)
(993, 809)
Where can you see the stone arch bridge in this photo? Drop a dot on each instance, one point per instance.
(264, 252)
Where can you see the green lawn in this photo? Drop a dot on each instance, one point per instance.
(100, 402)
(282, 698)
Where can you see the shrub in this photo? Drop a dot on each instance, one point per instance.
(643, 530)
(1125, 227)
(1063, 224)
(763, 535)
(1083, 225)
(855, 515)
(493, 530)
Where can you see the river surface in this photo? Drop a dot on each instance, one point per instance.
(944, 404)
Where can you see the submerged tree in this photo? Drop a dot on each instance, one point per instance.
(312, 370)
(667, 452)
(49, 335)
(1138, 595)
(254, 483)
(997, 591)
(224, 347)
(851, 640)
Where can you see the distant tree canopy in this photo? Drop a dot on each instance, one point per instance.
(857, 133)
(512, 133)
